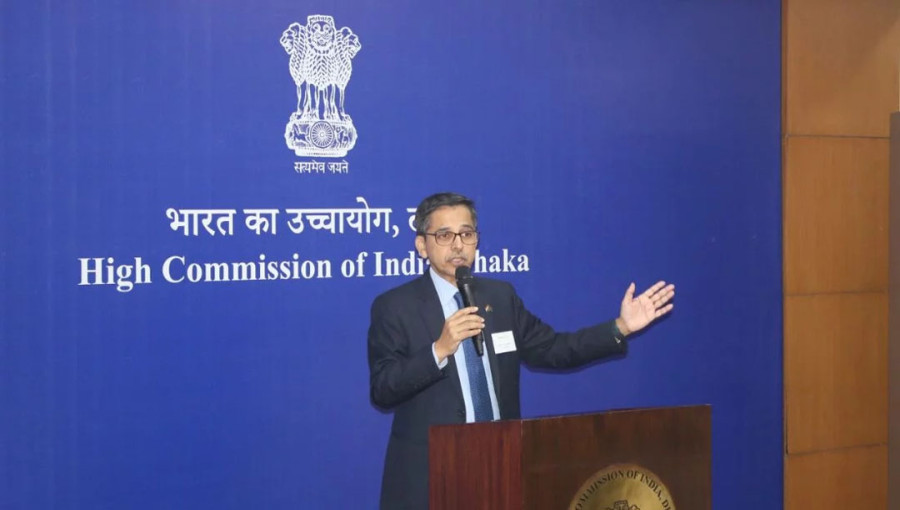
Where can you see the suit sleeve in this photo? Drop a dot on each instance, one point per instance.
(540, 346)
(397, 373)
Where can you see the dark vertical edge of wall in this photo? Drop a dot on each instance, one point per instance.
(894, 320)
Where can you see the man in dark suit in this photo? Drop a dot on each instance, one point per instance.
(421, 367)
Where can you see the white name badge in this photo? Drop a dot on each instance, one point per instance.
(503, 342)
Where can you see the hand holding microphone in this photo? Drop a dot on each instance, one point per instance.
(466, 284)
(459, 327)
(463, 324)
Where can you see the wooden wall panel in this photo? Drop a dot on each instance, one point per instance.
(841, 66)
(894, 321)
(835, 215)
(840, 480)
(841, 82)
(835, 371)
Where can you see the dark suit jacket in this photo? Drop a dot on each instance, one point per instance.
(405, 322)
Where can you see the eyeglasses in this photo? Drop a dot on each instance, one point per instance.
(446, 237)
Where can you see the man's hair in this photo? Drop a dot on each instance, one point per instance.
(436, 201)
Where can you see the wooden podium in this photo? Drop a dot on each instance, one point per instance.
(545, 463)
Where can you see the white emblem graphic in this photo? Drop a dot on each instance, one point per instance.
(320, 64)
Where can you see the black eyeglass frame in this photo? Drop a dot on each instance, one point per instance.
(462, 239)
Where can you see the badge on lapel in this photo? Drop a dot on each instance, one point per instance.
(504, 341)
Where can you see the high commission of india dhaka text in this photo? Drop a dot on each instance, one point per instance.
(178, 269)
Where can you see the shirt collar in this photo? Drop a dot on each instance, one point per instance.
(445, 289)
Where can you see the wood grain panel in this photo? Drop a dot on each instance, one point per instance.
(674, 443)
(543, 463)
(835, 371)
(894, 322)
(478, 465)
(840, 66)
(835, 215)
(854, 478)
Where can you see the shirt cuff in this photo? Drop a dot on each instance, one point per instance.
(436, 362)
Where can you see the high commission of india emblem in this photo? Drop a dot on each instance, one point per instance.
(320, 64)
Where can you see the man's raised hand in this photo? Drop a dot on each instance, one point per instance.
(638, 312)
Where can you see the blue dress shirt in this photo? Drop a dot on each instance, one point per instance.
(446, 291)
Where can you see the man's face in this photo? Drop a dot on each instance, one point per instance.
(445, 259)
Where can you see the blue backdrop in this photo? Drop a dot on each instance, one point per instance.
(603, 142)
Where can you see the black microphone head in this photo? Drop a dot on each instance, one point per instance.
(463, 273)
(466, 283)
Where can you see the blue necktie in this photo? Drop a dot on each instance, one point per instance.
(481, 399)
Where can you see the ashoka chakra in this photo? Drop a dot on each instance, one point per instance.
(321, 134)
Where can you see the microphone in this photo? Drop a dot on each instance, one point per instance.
(466, 283)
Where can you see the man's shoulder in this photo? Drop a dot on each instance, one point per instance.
(403, 292)
(494, 285)
(420, 286)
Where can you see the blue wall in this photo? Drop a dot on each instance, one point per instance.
(603, 141)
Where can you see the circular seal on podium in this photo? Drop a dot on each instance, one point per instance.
(623, 487)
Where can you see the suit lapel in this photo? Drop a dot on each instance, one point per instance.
(430, 307)
(489, 351)
(432, 314)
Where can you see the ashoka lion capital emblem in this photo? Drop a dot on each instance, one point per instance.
(320, 64)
